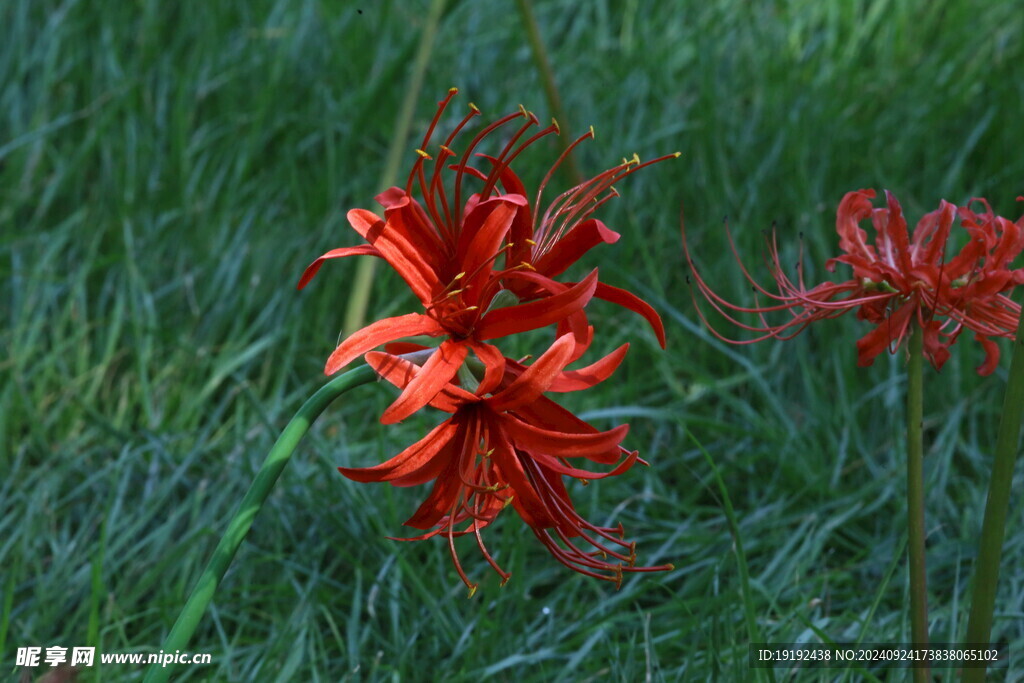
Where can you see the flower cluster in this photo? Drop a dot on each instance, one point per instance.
(483, 264)
(901, 280)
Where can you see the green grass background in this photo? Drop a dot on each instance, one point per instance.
(168, 169)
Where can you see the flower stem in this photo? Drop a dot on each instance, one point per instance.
(250, 506)
(547, 77)
(355, 312)
(915, 495)
(993, 527)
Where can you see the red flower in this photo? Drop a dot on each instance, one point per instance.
(446, 252)
(512, 448)
(900, 280)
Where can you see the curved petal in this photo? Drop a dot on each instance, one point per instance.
(494, 366)
(574, 244)
(991, 355)
(855, 207)
(484, 232)
(435, 374)
(561, 444)
(626, 299)
(502, 322)
(401, 373)
(595, 373)
(556, 465)
(380, 332)
(536, 379)
(448, 486)
(314, 267)
(525, 499)
(399, 252)
(408, 461)
(547, 414)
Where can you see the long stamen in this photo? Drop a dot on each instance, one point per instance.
(461, 168)
(589, 135)
(500, 163)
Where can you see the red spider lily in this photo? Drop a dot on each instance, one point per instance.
(446, 252)
(512, 448)
(898, 281)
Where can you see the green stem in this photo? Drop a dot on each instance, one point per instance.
(547, 77)
(250, 506)
(915, 496)
(993, 527)
(360, 295)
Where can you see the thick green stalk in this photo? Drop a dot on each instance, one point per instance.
(359, 297)
(915, 495)
(993, 527)
(250, 506)
(547, 77)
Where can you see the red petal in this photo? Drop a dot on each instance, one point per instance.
(408, 461)
(555, 465)
(562, 444)
(446, 491)
(401, 372)
(574, 244)
(378, 333)
(311, 270)
(407, 216)
(889, 331)
(437, 372)
(991, 355)
(494, 366)
(484, 232)
(525, 499)
(547, 414)
(584, 378)
(634, 303)
(403, 256)
(536, 379)
(855, 207)
(502, 322)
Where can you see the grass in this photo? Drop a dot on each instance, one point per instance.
(166, 171)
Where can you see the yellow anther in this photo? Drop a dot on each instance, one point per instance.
(508, 501)
(454, 292)
(592, 133)
(524, 264)
(453, 91)
(522, 110)
(447, 150)
(460, 276)
(476, 109)
(558, 129)
(472, 308)
(531, 243)
(423, 154)
(504, 581)
(677, 154)
(635, 159)
(472, 590)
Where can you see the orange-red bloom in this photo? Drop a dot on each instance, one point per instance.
(512, 448)
(899, 280)
(446, 249)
